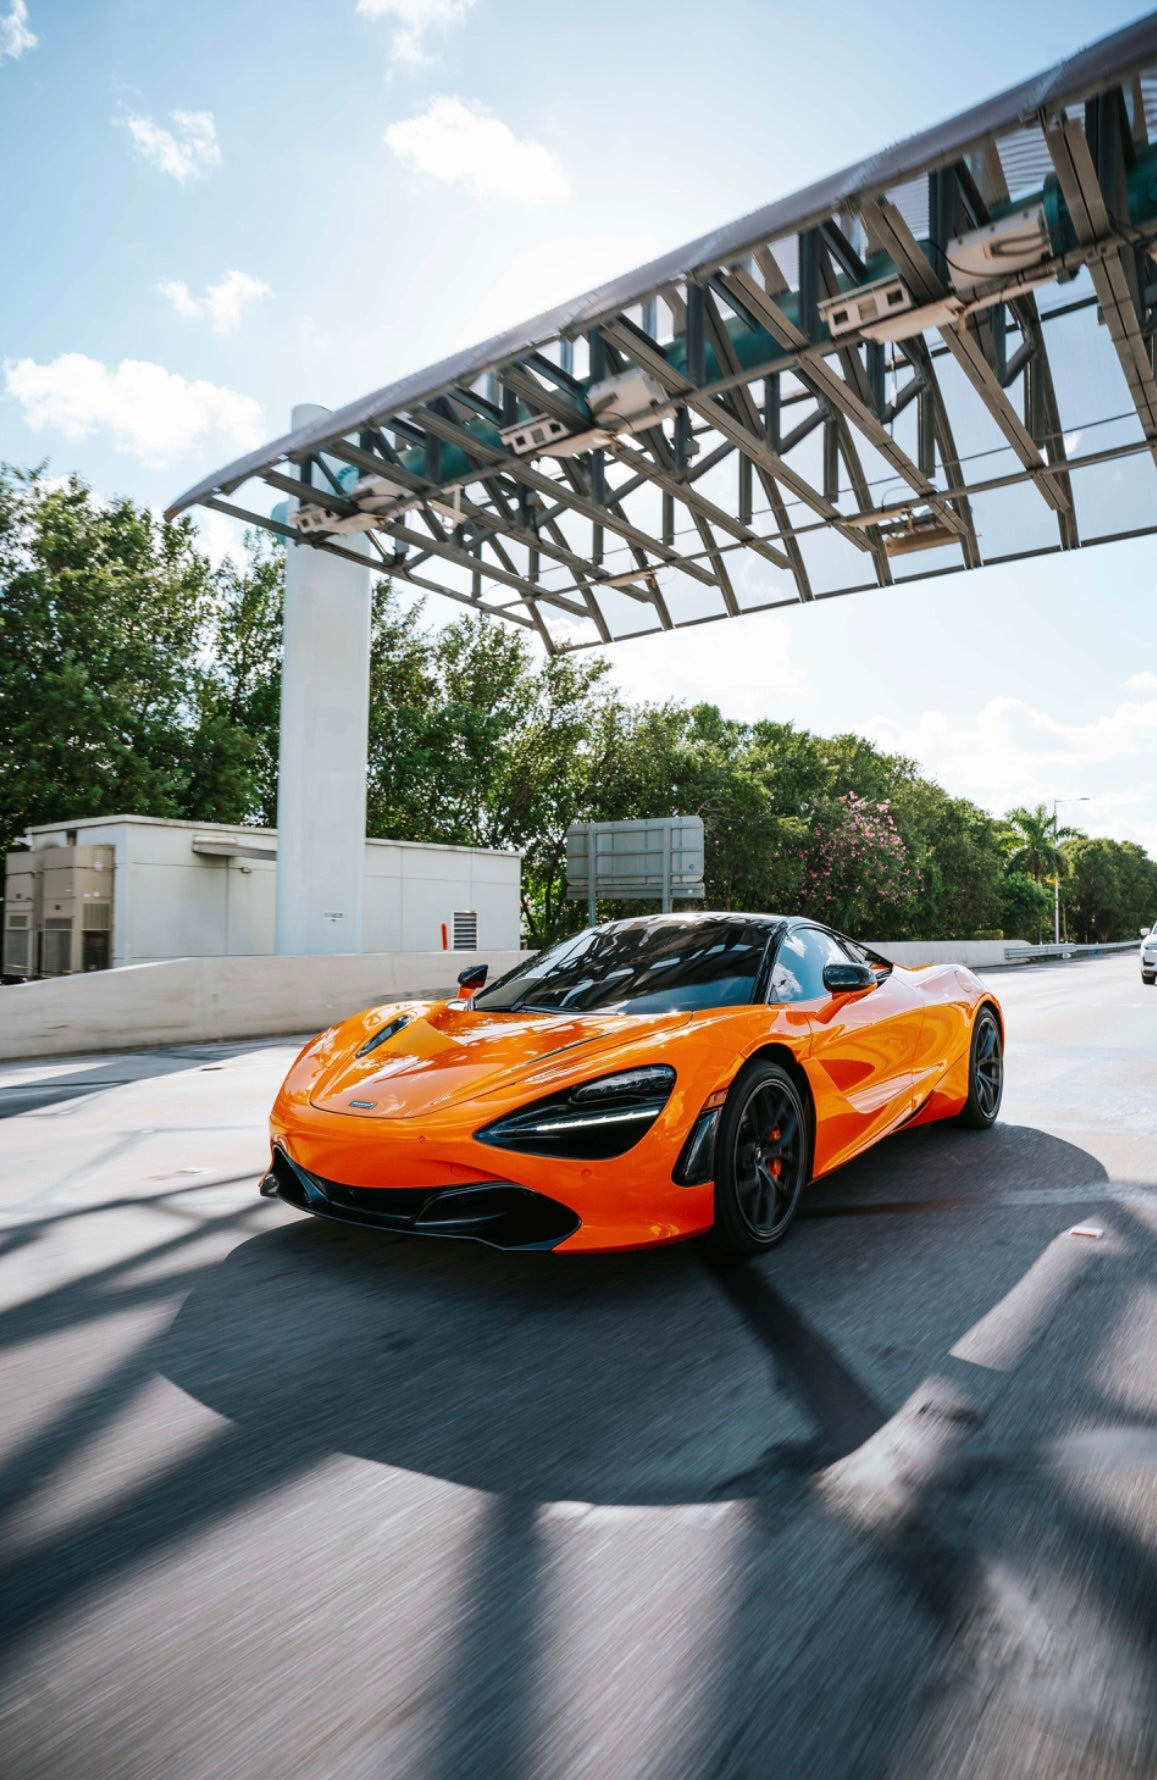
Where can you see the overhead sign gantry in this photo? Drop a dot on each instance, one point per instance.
(939, 358)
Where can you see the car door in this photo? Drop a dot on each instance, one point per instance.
(860, 1065)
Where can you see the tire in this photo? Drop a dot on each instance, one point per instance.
(985, 1073)
(1149, 980)
(763, 1160)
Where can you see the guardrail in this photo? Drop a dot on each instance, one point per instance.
(1029, 954)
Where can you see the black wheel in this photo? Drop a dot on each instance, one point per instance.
(762, 1160)
(985, 1073)
(1149, 980)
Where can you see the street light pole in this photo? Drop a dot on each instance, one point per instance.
(1056, 874)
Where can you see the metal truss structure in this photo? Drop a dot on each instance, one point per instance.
(938, 359)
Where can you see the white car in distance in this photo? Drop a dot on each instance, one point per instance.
(1149, 954)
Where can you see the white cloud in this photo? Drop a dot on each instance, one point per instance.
(221, 304)
(725, 664)
(186, 151)
(536, 278)
(1011, 753)
(415, 18)
(219, 537)
(153, 414)
(463, 144)
(15, 37)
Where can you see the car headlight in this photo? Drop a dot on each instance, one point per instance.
(592, 1121)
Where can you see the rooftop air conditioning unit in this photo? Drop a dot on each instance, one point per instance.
(856, 310)
(1015, 243)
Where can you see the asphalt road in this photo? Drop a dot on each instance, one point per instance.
(287, 1502)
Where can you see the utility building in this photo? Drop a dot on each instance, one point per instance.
(136, 889)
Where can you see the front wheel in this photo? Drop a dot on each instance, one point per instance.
(763, 1160)
(985, 1073)
(1149, 980)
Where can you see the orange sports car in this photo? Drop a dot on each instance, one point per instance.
(639, 1082)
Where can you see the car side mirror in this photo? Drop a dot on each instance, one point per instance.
(848, 979)
(472, 979)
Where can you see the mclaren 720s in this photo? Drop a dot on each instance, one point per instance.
(637, 1083)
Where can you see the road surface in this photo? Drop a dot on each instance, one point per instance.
(283, 1501)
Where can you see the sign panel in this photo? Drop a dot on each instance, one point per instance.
(659, 857)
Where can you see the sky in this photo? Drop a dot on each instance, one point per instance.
(213, 212)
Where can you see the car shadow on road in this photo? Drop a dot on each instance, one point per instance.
(943, 1167)
(612, 1379)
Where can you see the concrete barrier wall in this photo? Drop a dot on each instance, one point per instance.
(191, 1000)
(976, 953)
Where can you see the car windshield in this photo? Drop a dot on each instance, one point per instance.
(638, 968)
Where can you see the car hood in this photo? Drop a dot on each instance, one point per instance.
(447, 1054)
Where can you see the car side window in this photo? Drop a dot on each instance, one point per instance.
(798, 973)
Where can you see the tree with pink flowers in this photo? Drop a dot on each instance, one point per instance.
(855, 866)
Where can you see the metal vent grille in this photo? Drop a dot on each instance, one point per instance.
(56, 950)
(59, 923)
(17, 952)
(97, 917)
(464, 929)
(18, 918)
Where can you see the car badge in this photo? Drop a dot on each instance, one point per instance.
(369, 1103)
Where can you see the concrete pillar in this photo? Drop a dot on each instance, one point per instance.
(321, 795)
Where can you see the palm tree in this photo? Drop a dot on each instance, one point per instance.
(1031, 842)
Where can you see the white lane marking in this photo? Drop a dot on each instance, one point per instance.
(878, 1484)
(1002, 1338)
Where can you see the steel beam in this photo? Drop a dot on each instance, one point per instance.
(819, 375)
(1108, 268)
(892, 234)
(523, 471)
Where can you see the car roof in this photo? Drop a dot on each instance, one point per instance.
(692, 917)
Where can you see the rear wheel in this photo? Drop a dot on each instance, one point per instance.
(763, 1160)
(985, 1073)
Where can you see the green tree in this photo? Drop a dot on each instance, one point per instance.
(1026, 907)
(856, 866)
(474, 743)
(1111, 891)
(233, 776)
(133, 676)
(104, 613)
(1032, 842)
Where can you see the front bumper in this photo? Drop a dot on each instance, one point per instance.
(499, 1213)
(628, 1202)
